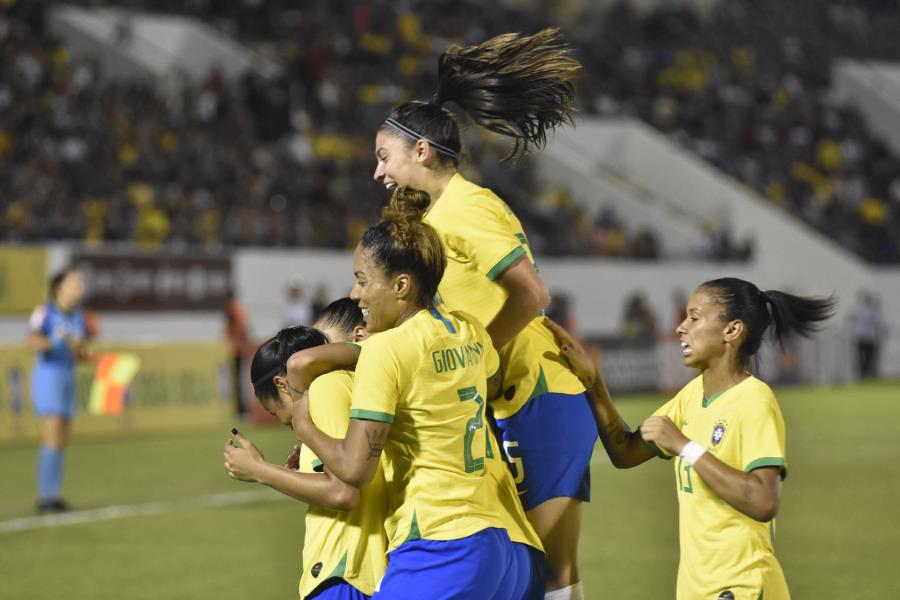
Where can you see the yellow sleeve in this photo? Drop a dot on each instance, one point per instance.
(329, 403)
(376, 385)
(671, 409)
(309, 462)
(762, 437)
(491, 359)
(483, 233)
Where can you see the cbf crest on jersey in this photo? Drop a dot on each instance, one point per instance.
(718, 433)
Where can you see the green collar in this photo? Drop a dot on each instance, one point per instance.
(708, 401)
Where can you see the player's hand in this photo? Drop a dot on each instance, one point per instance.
(582, 365)
(292, 461)
(662, 432)
(242, 462)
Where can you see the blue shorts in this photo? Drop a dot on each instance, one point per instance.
(336, 589)
(483, 565)
(53, 391)
(548, 445)
(531, 579)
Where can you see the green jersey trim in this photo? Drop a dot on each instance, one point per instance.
(713, 397)
(371, 415)
(655, 449)
(414, 533)
(317, 465)
(768, 461)
(340, 568)
(540, 387)
(505, 262)
(434, 313)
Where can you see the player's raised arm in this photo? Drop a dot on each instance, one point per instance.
(625, 447)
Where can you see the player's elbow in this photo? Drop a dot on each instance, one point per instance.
(345, 497)
(357, 477)
(765, 510)
(540, 296)
(297, 363)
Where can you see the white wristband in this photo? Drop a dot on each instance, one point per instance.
(691, 452)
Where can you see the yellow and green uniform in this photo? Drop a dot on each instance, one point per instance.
(722, 548)
(350, 545)
(483, 238)
(428, 378)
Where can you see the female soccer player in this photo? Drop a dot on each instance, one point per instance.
(57, 333)
(418, 395)
(726, 431)
(344, 545)
(517, 86)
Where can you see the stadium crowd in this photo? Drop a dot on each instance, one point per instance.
(745, 86)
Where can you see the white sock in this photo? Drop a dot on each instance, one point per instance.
(572, 592)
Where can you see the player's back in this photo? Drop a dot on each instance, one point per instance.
(428, 377)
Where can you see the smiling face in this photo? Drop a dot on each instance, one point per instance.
(704, 335)
(376, 292)
(397, 164)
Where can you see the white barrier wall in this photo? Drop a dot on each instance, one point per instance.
(599, 289)
(874, 89)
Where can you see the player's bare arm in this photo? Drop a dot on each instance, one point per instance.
(527, 297)
(755, 494)
(625, 448)
(304, 366)
(246, 463)
(353, 459)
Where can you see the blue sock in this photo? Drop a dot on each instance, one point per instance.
(50, 468)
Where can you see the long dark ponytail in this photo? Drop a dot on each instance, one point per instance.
(785, 313)
(519, 86)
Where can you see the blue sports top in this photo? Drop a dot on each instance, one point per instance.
(49, 321)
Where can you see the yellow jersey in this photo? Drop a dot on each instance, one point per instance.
(722, 548)
(483, 238)
(350, 545)
(428, 378)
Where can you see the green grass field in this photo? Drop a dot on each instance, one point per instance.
(837, 531)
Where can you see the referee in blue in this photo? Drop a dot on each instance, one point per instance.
(57, 333)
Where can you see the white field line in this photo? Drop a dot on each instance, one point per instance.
(138, 510)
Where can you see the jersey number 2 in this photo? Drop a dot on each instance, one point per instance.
(472, 426)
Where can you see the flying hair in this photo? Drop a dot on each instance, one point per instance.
(518, 86)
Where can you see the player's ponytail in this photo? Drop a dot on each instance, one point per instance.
(402, 243)
(272, 356)
(515, 85)
(786, 314)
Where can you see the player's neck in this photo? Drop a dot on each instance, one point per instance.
(720, 377)
(437, 183)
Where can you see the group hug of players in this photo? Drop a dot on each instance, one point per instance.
(446, 429)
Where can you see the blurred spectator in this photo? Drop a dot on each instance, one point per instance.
(237, 332)
(868, 330)
(638, 320)
(320, 301)
(744, 85)
(299, 308)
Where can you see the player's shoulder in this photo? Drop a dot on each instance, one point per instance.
(466, 196)
(756, 397)
(339, 380)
